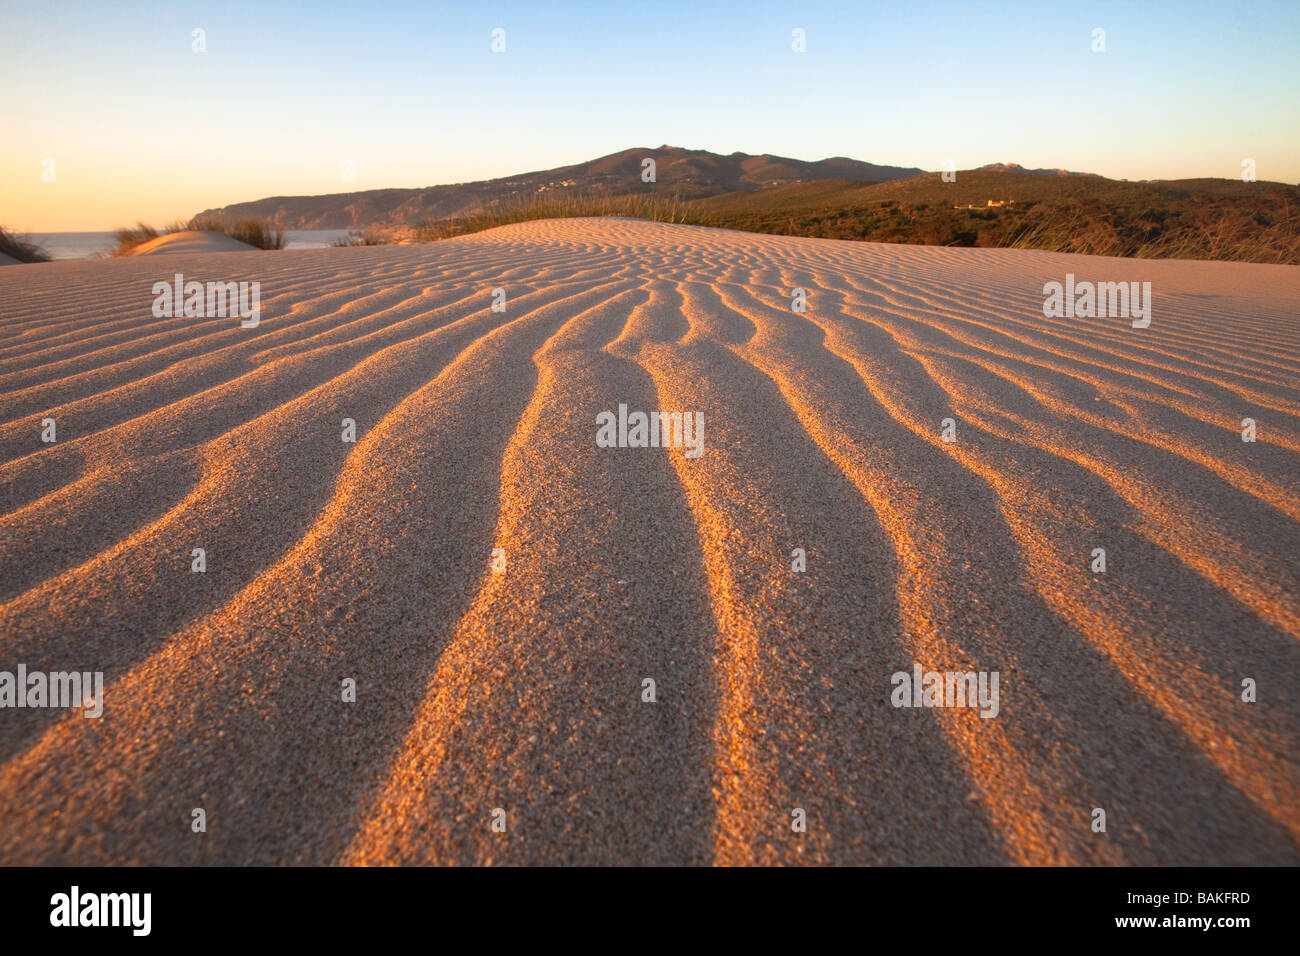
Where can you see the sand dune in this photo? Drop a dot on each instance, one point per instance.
(189, 241)
(521, 689)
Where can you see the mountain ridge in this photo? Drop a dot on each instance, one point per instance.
(688, 173)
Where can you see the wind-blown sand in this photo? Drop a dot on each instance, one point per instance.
(522, 690)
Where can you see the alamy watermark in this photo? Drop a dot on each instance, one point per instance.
(25, 688)
(1090, 300)
(946, 689)
(213, 300)
(651, 430)
(76, 908)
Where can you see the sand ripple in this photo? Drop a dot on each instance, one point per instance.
(522, 690)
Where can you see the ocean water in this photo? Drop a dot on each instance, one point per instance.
(74, 245)
(88, 245)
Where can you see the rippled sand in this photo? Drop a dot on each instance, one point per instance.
(522, 690)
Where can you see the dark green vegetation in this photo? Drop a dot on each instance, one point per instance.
(15, 245)
(1184, 219)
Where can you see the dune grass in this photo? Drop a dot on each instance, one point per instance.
(255, 232)
(18, 246)
(361, 237)
(1226, 235)
(128, 237)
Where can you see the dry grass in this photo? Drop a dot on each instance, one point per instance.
(18, 246)
(1219, 234)
(256, 233)
(362, 237)
(128, 237)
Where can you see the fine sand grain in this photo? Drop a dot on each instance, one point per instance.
(522, 690)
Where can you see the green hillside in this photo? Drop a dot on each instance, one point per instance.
(1194, 219)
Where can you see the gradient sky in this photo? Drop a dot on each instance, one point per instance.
(141, 127)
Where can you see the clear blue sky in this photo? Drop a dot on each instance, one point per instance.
(139, 126)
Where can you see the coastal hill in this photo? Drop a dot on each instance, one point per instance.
(688, 173)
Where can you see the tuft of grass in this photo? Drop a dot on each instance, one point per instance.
(255, 232)
(18, 246)
(361, 237)
(128, 237)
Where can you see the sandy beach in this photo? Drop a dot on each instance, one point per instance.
(515, 683)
